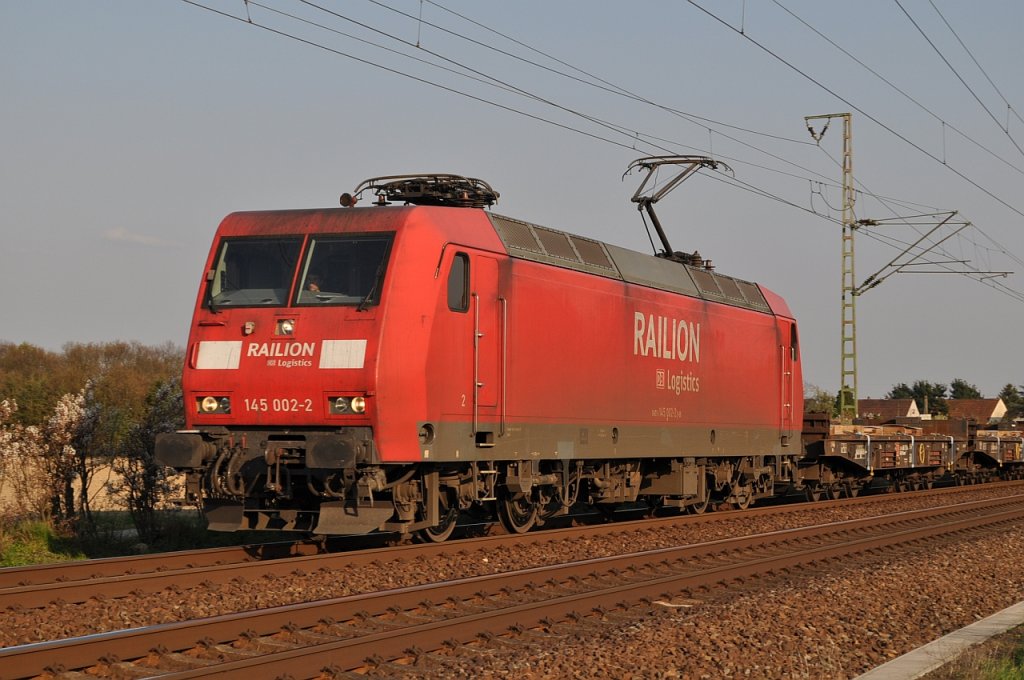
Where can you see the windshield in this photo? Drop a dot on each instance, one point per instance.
(253, 272)
(343, 270)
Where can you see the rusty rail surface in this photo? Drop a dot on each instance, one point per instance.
(120, 577)
(62, 572)
(342, 633)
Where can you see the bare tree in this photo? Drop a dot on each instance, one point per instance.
(143, 482)
(59, 456)
(21, 459)
(818, 400)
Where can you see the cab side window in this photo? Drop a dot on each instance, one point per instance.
(458, 283)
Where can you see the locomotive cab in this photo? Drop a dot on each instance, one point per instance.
(389, 367)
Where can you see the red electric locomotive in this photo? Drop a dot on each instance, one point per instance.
(392, 366)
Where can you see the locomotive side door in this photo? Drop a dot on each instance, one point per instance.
(487, 310)
(790, 352)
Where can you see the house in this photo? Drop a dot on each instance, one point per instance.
(886, 410)
(982, 411)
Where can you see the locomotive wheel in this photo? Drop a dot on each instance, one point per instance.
(834, 492)
(443, 529)
(743, 495)
(517, 513)
(814, 494)
(851, 489)
(699, 507)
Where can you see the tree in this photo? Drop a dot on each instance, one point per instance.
(1013, 399)
(900, 391)
(961, 389)
(817, 400)
(29, 378)
(121, 374)
(929, 397)
(86, 459)
(20, 463)
(143, 482)
(39, 464)
(59, 456)
(63, 413)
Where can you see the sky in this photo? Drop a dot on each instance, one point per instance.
(129, 129)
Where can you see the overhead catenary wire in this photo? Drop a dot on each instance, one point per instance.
(995, 87)
(861, 111)
(980, 277)
(518, 91)
(901, 91)
(656, 143)
(632, 135)
(403, 74)
(595, 81)
(959, 77)
(885, 201)
(894, 242)
(504, 84)
(611, 88)
(732, 159)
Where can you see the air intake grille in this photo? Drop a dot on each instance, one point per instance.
(592, 252)
(705, 281)
(541, 244)
(519, 235)
(556, 244)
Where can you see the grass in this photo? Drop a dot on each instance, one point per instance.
(1001, 658)
(111, 535)
(36, 543)
(1002, 670)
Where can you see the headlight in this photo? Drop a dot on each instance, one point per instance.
(339, 406)
(213, 404)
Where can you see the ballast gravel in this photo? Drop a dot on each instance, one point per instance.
(837, 621)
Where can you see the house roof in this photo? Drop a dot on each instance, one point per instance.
(884, 410)
(980, 410)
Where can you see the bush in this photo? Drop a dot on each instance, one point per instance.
(35, 542)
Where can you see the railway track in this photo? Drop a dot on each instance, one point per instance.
(64, 572)
(76, 582)
(341, 634)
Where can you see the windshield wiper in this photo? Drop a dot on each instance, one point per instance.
(209, 299)
(210, 275)
(373, 288)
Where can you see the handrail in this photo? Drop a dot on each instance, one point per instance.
(476, 363)
(504, 362)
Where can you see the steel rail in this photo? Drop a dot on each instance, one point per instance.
(310, 661)
(130, 583)
(842, 538)
(56, 572)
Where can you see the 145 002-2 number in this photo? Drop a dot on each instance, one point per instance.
(278, 405)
